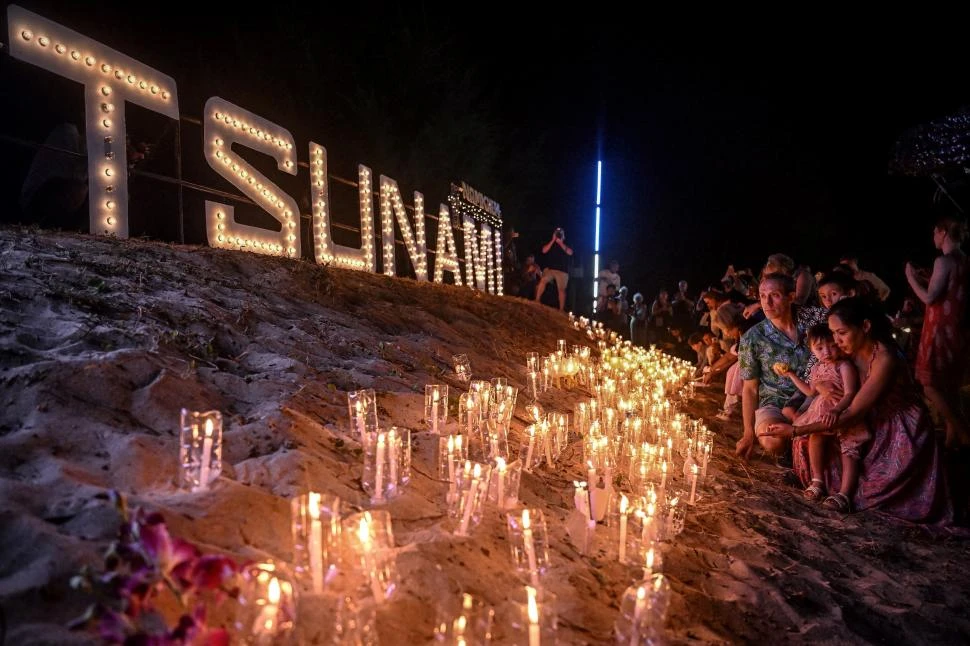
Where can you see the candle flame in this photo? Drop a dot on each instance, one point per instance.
(313, 502)
(694, 469)
(363, 532)
(451, 444)
(533, 608)
(477, 471)
(526, 521)
(641, 593)
(435, 396)
(273, 596)
(623, 504)
(458, 442)
(500, 464)
(467, 601)
(650, 557)
(208, 427)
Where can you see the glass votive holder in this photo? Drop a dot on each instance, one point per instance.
(315, 527)
(470, 412)
(623, 537)
(498, 383)
(471, 491)
(529, 618)
(387, 463)
(267, 605)
(362, 412)
(674, 513)
(436, 406)
(464, 621)
(484, 390)
(463, 367)
(532, 361)
(452, 453)
(561, 347)
(355, 623)
(644, 606)
(529, 544)
(368, 542)
(503, 489)
(504, 396)
(200, 449)
(531, 450)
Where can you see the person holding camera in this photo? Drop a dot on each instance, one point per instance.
(556, 259)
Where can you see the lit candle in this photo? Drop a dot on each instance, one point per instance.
(363, 533)
(648, 570)
(379, 469)
(547, 442)
(534, 632)
(394, 458)
(359, 407)
(316, 542)
(693, 485)
(500, 495)
(532, 446)
(266, 622)
(640, 607)
(451, 464)
(434, 410)
(623, 509)
(670, 515)
(534, 381)
(470, 498)
(206, 455)
(707, 456)
(530, 548)
(663, 477)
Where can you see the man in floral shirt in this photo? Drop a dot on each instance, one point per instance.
(777, 343)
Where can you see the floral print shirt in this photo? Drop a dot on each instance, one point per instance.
(764, 345)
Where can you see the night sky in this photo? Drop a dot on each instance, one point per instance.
(722, 141)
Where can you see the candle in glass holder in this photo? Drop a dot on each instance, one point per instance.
(266, 622)
(500, 496)
(379, 469)
(530, 548)
(648, 569)
(470, 500)
(641, 605)
(451, 464)
(363, 534)
(623, 512)
(708, 446)
(532, 446)
(435, 396)
(206, 455)
(693, 485)
(534, 628)
(316, 542)
(663, 476)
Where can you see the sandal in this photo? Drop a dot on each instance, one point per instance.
(815, 491)
(838, 502)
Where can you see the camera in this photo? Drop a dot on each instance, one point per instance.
(559, 232)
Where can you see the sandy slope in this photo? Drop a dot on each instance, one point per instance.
(101, 342)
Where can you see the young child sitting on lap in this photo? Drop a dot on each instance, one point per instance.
(833, 382)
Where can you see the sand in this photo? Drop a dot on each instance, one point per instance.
(103, 341)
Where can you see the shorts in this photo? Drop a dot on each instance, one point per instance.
(561, 277)
(769, 415)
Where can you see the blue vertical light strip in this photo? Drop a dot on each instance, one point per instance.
(596, 239)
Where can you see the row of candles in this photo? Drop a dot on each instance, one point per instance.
(616, 442)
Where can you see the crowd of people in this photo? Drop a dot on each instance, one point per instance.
(864, 406)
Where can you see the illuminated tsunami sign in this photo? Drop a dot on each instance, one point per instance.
(111, 78)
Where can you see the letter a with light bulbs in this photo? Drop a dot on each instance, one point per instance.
(110, 78)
